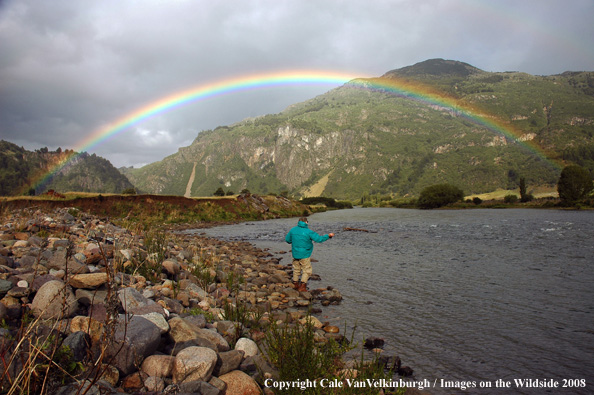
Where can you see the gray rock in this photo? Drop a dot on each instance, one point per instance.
(197, 320)
(182, 330)
(154, 384)
(54, 300)
(228, 361)
(40, 280)
(199, 387)
(78, 343)
(88, 296)
(215, 337)
(5, 286)
(133, 342)
(134, 302)
(248, 346)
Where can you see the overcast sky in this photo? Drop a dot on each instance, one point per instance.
(69, 67)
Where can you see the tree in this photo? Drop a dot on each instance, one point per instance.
(524, 196)
(575, 183)
(435, 196)
(219, 192)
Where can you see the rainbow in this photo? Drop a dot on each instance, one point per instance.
(402, 88)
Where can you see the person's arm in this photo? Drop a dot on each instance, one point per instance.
(319, 238)
(289, 238)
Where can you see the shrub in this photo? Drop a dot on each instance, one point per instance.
(435, 196)
(510, 198)
(219, 192)
(477, 200)
(575, 183)
(129, 191)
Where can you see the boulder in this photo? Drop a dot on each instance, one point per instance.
(182, 331)
(78, 343)
(228, 361)
(134, 302)
(248, 346)
(194, 363)
(54, 300)
(133, 341)
(158, 365)
(239, 383)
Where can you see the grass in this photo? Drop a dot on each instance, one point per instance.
(298, 356)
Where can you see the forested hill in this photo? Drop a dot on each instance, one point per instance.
(20, 168)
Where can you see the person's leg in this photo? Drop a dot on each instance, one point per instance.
(296, 272)
(306, 271)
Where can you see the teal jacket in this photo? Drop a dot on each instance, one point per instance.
(301, 238)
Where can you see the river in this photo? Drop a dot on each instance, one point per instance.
(460, 295)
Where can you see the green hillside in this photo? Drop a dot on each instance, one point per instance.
(359, 138)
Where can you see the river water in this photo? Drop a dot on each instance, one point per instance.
(460, 295)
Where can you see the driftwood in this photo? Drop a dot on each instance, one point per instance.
(356, 229)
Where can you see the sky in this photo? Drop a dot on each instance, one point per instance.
(69, 69)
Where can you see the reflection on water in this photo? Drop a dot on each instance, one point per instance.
(459, 295)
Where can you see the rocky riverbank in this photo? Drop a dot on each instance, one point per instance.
(85, 302)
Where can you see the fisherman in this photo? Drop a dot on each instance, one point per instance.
(301, 238)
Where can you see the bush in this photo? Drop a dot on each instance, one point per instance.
(575, 183)
(436, 196)
(477, 200)
(129, 191)
(510, 198)
(219, 192)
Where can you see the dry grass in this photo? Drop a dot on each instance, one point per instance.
(499, 194)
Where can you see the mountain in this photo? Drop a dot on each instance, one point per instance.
(83, 173)
(433, 122)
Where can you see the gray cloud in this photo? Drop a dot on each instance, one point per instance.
(69, 68)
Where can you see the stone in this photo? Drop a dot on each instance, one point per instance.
(228, 361)
(218, 383)
(373, 342)
(194, 363)
(89, 280)
(133, 341)
(171, 267)
(110, 374)
(158, 365)
(87, 325)
(89, 297)
(134, 382)
(316, 323)
(40, 280)
(331, 329)
(54, 300)
(199, 387)
(23, 284)
(5, 286)
(197, 320)
(214, 337)
(134, 302)
(154, 384)
(78, 343)
(158, 320)
(248, 346)
(239, 383)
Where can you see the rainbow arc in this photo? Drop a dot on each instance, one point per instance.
(401, 88)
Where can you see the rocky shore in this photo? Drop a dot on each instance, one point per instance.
(89, 304)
